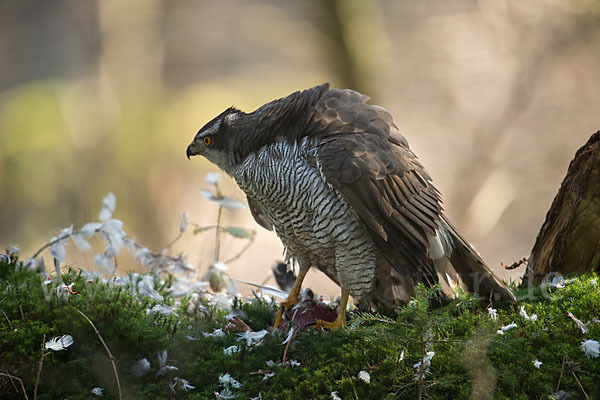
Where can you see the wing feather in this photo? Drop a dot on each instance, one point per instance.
(368, 161)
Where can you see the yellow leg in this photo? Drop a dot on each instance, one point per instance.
(292, 299)
(340, 321)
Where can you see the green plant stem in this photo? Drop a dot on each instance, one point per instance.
(217, 234)
(242, 251)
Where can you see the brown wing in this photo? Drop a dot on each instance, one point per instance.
(368, 161)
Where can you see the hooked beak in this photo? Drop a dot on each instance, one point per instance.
(191, 150)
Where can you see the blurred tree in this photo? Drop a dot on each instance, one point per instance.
(569, 241)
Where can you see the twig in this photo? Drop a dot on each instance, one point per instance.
(110, 356)
(9, 323)
(242, 251)
(21, 309)
(514, 265)
(237, 325)
(168, 247)
(114, 270)
(561, 373)
(9, 376)
(37, 379)
(50, 243)
(295, 329)
(575, 376)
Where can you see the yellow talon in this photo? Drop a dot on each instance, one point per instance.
(292, 299)
(340, 321)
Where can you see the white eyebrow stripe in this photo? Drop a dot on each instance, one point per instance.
(213, 129)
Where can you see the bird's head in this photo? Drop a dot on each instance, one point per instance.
(215, 139)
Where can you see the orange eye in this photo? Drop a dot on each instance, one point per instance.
(206, 140)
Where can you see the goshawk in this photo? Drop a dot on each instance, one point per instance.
(337, 182)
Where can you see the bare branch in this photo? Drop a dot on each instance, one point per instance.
(9, 376)
(37, 379)
(110, 356)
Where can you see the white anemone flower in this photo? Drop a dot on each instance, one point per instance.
(537, 363)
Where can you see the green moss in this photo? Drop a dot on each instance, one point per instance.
(470, 357)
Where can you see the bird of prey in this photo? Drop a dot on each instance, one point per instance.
(338, 183)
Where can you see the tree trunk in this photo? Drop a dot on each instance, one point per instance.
(569, 241)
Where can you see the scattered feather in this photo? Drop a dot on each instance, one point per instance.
(591, 348)
(183, 384)
(225, 394)
(229, 351)
(364, 376)
(506, 328)
(104, 261)
(109, 203)
(227, 380)
(184, 222)
(523, 314)
(89, 229)
(140, 368)
(557, 282)
(226, 202)
(252, 337)
(215, 333)
(162, 363)
(426, 365)
(212, 177)
(537, 363)
(97, 391)
(163, 310)
(59, 343)
(335, 396)
(268, 375)
(580, 324)
(112, 232)
(80, 242)
(493, 313)
(57, 249)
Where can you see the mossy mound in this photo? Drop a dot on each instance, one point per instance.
(470, 357)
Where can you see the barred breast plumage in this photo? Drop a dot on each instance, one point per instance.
(315, 224)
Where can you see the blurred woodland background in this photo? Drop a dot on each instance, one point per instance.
(494, 96)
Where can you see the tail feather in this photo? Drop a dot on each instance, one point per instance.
(474, 273)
